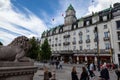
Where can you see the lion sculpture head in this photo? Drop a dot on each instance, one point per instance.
(22, 42)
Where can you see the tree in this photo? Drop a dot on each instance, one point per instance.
(34, 50)
(45, 50)
(1, 43)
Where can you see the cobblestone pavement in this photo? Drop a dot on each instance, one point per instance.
(65, 73)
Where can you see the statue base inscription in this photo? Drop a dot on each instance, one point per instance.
(17, 70)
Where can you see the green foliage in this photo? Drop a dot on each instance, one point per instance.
(1, 43)
(45, 50)
(34, 50)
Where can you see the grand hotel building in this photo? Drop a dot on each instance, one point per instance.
(87, 38)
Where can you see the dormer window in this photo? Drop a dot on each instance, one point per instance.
(104, 18)
(88, 23)
(80, 24)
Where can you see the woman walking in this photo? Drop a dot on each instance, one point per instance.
(84, 74)
(74, 74)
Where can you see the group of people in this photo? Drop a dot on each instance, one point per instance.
(58, 64)
(88, 73)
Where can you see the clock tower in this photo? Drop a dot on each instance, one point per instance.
(70, 16)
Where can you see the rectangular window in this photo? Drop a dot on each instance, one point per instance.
(87, 30)
(105, 26)
(80, 37)
(119, 45)
(74, 39)
(88, 37)
(74, 33)
(107, 46)
(74, 47)
(106, 34)
(118, 34)
(118, 24)
(88, 47)
(80, 47)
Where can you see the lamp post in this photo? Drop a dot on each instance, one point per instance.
(111, 50)
(98, 50)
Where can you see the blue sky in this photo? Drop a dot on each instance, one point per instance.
(32, 17)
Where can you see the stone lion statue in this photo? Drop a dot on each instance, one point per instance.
(16, 50)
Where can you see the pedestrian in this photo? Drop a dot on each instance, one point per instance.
(60, 65)
(84, 74)
(47, 74)
(118, 74)
(104, 73)
(74, 74)
(57, 64)
(91, 69)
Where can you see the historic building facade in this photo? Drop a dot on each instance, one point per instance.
(87, 38)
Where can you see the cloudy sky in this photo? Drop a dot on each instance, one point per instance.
(32, 17)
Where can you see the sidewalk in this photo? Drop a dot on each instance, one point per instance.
(65, 73)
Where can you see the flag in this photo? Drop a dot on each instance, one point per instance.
(53, 19)
(92, 1)
(62, 14)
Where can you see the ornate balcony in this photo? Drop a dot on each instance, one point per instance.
(66, 43)
(66, 36)
(80, 42)
(80, 33)
(59, 44)
(55, 44)
(88, 41)
(74, 42)
(106, 38)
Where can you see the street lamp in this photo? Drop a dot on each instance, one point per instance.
(111, 50)
(98, 50)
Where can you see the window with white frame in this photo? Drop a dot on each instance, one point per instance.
(107, 46)
(74, 39)
(106, 34)
(80, 47)
(104, 18)
(74, 47)
(87, 30)
(80, 37)
(88, 37)
(74, 33)
(88, 22)
(105, 26)
(88, 46)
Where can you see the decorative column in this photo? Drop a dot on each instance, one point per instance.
(86, 58)
(77, 59)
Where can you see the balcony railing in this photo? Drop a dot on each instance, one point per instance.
(88, 41)
(80, 33)
(106, 38)
(74, 42)
(66, 43)
(59, 44)
(55, 44)
(80, 42)
(66, 36)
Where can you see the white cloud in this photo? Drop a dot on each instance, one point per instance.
(81, 7)
(15, 21)
(100, 5)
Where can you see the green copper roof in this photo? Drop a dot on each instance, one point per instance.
(70, 7)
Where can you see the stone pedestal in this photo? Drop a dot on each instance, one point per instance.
(17, 70)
